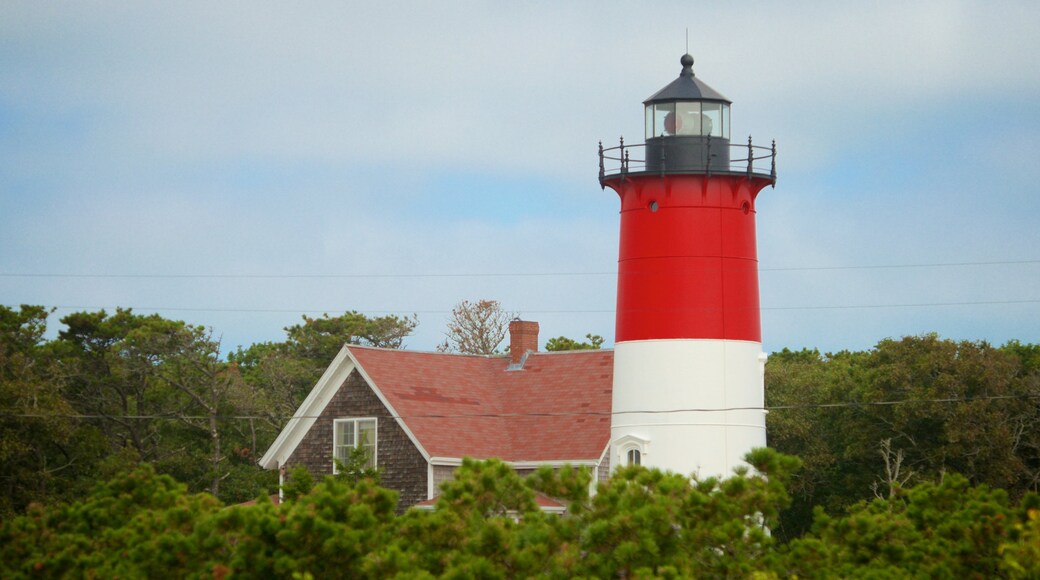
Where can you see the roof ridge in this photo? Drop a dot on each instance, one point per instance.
(351, 345)
(575, 351)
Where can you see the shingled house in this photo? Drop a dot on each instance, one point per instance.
(420, 413)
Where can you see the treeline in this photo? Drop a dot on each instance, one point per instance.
(487, 524)
(913, 410)
(115, 390)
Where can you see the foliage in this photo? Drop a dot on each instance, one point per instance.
(640, 523)
(322, 338)
(1021, 552)
(562, 343)
(117, 389)
(157, 388)
(283, 373)
(932, 405)
(880, 433)
(357, 466)
(139, 525)
(328, 532)
(476, 327)
(948, 529)
(46, 453)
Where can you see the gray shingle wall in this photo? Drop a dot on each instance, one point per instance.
(404, 468)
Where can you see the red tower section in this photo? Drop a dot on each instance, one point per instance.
(687, 264)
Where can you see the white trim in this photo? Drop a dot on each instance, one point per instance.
(302, 421)
(629, 443)
(551, 463)
(429, 480)
(594, 482)
(281, 484)
(605, 456)
(448, 461)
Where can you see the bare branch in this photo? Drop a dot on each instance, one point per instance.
(476, 327)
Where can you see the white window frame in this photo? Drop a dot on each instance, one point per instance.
(628, 443)
(354, 424)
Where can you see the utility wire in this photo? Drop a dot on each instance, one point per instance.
(846, 404)
(531, 311)
(492, 274)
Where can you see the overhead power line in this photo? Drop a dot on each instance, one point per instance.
(484, 274)
(525, 311)
(772, 408)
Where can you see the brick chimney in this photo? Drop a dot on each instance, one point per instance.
(523, 337)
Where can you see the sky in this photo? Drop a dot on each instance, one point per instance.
(240, 164)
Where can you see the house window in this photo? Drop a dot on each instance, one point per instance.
(348, 434)
(634, 457)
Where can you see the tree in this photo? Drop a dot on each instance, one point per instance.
(196, 388)
(641, 523)
(104, 382)
(562, 343)
(322, 338)
(357, 465)
(949, 529)
(942, 406)
(47, 454)
(138, 525)
(476, 327)
(283, 373)
(159, 392)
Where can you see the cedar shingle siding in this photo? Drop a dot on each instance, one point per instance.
(403, 467)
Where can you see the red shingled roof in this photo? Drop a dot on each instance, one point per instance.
(556, 408)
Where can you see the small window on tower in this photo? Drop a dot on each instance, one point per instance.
(629, 449)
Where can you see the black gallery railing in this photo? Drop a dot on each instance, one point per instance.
(757, 158)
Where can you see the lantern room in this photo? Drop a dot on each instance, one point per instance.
(687, 125)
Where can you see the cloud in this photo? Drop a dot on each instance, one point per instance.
(460, 138)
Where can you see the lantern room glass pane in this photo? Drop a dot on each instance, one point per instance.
(664, 119)
(725, 121)
(711, 122)
(649, 131)
(688, 118)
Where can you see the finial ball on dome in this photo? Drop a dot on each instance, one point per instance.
(686, 60)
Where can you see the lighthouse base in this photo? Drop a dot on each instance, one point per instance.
(687, 405)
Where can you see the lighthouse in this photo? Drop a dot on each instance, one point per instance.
(688, 391)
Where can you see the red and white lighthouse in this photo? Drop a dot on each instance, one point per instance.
(688, 363)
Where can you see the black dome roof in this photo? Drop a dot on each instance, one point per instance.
(686, 88)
